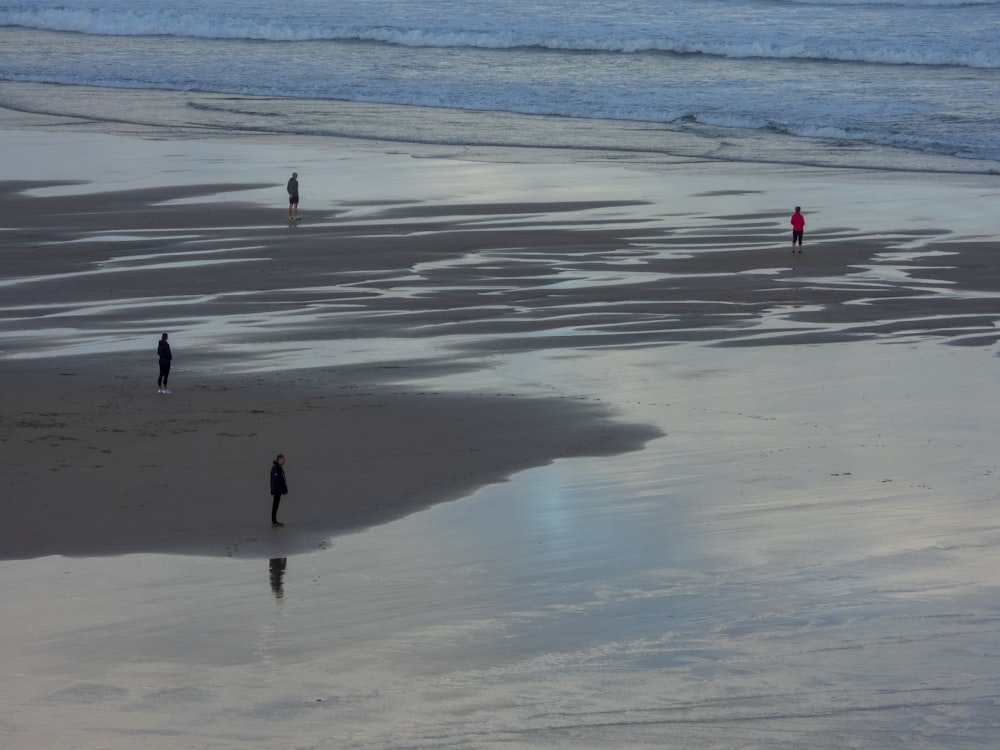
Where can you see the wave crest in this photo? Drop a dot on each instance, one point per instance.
(171, 23)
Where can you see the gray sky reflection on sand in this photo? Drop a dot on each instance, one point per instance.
(158, 266)
(300, 313)
(806, 555)
(114, 237)
(808, 544)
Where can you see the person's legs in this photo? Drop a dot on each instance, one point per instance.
(274, 510)
(161, 381)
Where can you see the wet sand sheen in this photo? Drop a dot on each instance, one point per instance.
(415, 289)
(114, 468)
(385, 294)
(758, 513)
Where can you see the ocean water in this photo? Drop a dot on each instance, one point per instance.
(919, 76)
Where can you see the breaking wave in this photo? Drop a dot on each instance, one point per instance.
(155, 22)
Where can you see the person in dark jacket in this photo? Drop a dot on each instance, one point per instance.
(279, 487)
(293, 197)
(163, 352)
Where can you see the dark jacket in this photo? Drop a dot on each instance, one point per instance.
(163, 349)
(278, 484)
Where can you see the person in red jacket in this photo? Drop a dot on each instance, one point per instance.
(798, 227)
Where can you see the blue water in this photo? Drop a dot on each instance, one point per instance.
(917, 75)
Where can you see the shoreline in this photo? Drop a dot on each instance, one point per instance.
(433, 132)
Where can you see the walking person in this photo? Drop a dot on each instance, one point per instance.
(279, 487)
(798, 227)
(163, 352)
(293, 197)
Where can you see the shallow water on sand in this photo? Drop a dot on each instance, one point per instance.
(669, 215)
(805, 559)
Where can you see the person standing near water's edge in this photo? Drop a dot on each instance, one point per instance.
(279, 487)
(798, 227)
(293, 197)
(163, 351)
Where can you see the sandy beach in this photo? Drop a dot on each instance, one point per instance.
(580, 454)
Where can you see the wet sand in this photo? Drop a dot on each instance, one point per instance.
(675, 484)
(90, 280)
(116, 468)
(108, 467)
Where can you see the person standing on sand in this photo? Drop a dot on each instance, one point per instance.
(163, 351)
(798, 227)
(293, 197)
(279, 487)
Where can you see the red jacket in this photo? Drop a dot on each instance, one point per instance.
(798, 222)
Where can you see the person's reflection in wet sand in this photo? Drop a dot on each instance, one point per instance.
(278, 565)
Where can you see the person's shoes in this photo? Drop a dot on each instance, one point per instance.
(166, 391)
(276, 524)
(159, 390)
